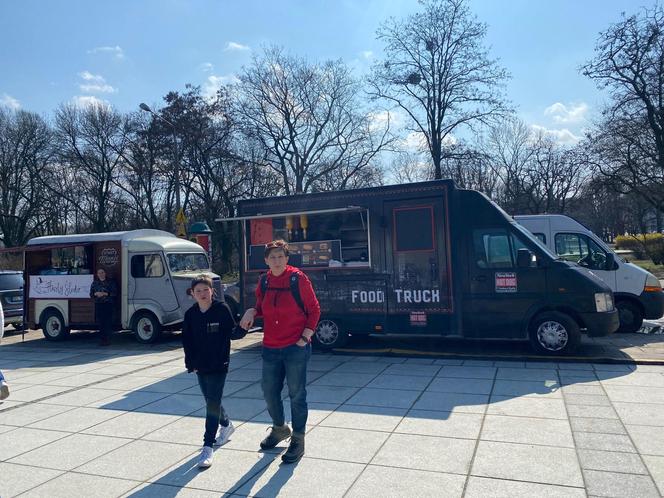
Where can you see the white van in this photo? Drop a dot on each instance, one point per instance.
(638, 293)
(152, 269)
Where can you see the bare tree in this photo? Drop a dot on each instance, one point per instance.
(509, 149)
(628, 144)
(89, 141)
(144, 177)
(26, 150)
(307, 118)
(437, 70)
(408, 166)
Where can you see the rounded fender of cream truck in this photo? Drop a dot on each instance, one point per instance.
(41, 305)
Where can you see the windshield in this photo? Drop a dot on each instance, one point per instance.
(11, 281)
(534, 240)
(188, 262)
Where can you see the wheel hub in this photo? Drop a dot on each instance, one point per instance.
(327, 332)
(552, 336)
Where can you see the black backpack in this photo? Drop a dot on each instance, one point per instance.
(294, 282)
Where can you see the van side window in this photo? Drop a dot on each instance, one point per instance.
(580, 249)
(413, 229)
(492, 249)
(147, 266)
(541, 236)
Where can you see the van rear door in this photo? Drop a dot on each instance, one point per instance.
(417, 259)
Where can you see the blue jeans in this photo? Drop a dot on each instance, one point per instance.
(289, 363)
(212, 387)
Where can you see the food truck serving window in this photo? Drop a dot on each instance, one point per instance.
(316, 240)
(70, 260)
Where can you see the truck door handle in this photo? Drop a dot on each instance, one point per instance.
(480, 278)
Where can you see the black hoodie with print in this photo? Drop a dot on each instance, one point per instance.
(206, 338)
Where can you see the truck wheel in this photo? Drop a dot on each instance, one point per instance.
(53, 325)
(553, 332)
(146, 327)
(329, 334)
(631, 317)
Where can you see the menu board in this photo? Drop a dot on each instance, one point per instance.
(302, 254)
(316, 252)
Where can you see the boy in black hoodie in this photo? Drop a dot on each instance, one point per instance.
(206, 336)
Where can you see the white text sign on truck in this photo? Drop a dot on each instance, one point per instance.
(60, 286)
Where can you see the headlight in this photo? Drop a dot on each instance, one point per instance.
(603, 302)
(652, 284)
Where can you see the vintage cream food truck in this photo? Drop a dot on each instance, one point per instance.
(152, 270)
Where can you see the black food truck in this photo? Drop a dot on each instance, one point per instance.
(424, 258)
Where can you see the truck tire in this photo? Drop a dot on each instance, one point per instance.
(553, 332)
(146, 327)
(631, 316)
(329, 334)
(53, 325)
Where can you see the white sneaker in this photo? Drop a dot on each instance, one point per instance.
(4, 391)
(205, 458)
(224, 434)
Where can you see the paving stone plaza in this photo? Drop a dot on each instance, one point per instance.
(127, 421)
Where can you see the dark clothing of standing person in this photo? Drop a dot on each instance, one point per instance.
(207, 331)
(104, 291)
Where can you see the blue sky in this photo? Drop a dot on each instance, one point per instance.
(128, 51)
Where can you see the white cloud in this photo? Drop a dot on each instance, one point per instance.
(234, 46)
(366, 54)
(572, 113)
(115, 51)
(88, 76)
(213, 83)
(415, 141)
(563, 136)
(206, 67)
(10, 102)
(88, 100)
(95, 83)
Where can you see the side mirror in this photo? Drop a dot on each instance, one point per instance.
(610, 261)
(523, 258)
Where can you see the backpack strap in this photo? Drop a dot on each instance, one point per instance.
(263, 284)
(295, 290)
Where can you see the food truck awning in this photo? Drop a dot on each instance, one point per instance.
(294, 213)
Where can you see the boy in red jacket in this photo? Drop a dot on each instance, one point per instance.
(287, 332)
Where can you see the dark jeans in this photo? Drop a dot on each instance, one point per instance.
(288, 363)
(212, 387)
(104, 317)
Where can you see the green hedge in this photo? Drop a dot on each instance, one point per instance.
(649, 245)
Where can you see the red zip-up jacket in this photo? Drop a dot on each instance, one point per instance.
(283, 320)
